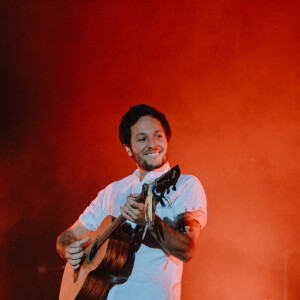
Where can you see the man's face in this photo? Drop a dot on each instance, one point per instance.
(149, 144)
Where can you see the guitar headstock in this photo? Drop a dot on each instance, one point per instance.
(167, 180)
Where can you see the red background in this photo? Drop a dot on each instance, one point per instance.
(226, 73)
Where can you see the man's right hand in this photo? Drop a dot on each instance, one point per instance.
(74, 252)
(70, 246)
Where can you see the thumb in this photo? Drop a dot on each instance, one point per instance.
(133, 195)
(84, 241)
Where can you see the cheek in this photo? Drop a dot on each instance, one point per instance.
(135, 150)
(165, 145)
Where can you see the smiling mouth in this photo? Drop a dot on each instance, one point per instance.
(153, 154)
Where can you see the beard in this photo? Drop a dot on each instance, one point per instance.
(149, 166)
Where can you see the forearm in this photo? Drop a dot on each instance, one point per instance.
(178, 244)
(68, 237)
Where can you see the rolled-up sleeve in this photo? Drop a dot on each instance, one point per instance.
(191, 200)
(94, 214)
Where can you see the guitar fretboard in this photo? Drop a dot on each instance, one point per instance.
(114, 225)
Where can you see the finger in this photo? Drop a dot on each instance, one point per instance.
(75, 256)
(133, 204)
(74, 262)
(133, 195)
(124, 211)
(125, 214)
(74, 250)
(127, 207)
(135, 210)
(80, 242)
(132, 212)
(76, 267)
(135, 218)
(84, 241)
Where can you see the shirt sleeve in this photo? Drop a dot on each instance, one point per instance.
(191, 200)
(94, 214)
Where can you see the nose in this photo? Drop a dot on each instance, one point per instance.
(153, 143)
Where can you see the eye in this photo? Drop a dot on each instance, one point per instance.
(141, 139)
(158, 136)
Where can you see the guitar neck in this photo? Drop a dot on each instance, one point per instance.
(116, 223)
(162, 184)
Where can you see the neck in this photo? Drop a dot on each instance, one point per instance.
(143, 172)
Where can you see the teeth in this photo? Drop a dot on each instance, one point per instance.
(152, 154)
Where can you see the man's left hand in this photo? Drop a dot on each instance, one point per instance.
(134, 211)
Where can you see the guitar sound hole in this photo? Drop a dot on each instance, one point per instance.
(93, 252)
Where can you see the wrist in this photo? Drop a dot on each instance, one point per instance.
(63, 241)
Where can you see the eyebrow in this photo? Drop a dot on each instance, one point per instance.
(143, 133)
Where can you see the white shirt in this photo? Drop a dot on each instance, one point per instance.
(155, 275)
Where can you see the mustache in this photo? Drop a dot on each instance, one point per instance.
(149, 151)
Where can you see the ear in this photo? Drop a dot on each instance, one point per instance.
(127, 148)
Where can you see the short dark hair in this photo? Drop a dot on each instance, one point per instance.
(132, 116)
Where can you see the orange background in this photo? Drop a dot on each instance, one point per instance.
(226, 73)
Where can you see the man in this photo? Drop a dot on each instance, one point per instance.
(171, 238)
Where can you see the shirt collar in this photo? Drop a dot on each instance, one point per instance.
(151, 176)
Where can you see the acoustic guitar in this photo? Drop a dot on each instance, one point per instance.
(107, 250)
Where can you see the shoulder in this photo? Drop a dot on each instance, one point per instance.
(188, 180)
(124, 181)
(190, 186)
(116, 186)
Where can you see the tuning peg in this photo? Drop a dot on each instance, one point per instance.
(174, 188)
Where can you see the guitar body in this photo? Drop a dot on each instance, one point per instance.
(101, 268)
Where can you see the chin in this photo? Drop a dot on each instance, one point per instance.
(150, 166)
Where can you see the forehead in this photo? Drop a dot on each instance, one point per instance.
(146, 125)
